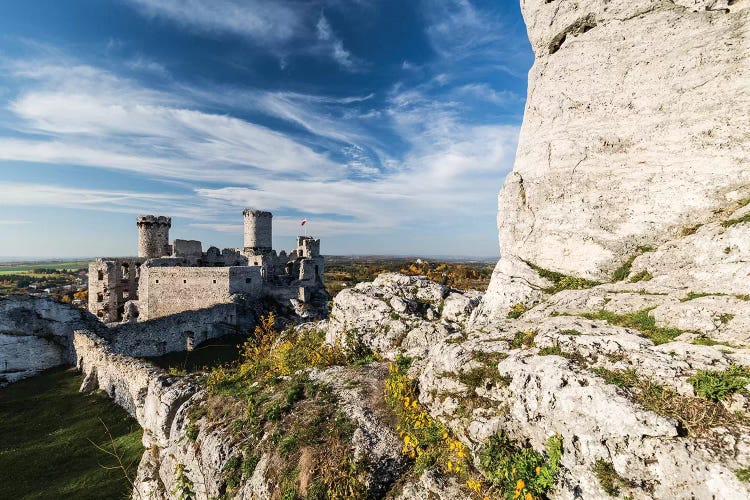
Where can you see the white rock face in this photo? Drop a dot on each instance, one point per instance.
(553, 385)
(635, 127)
(35, 334)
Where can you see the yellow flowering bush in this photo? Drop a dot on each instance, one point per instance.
(425, 440)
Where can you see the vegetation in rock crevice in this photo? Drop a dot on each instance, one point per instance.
(608, 478)
(561, 281)
(270, 405)
(520, 472)
(718, 385)
(507, 470)
(639, 320)
(697, 415)
(426, 441)
(623, 271)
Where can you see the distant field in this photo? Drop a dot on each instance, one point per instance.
(31, 267)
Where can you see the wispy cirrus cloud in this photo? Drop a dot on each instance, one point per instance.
(266, 22)
(283, 27)
(94, 118)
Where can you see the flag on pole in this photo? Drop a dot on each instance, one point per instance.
(304, 221)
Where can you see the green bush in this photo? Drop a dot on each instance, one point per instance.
(561, 281)
(718, 385)
(517, 310)
(517, 471)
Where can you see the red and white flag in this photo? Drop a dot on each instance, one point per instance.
(304, 221)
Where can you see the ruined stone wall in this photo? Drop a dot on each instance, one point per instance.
(156, 337)
(112, 282)
(170, 290)
(187, 248)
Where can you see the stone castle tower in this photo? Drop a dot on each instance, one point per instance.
(153, 236)
(258, 232)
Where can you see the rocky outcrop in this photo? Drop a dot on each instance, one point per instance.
(545, 373)
(632, 133)
(397, 313)
(36, 334)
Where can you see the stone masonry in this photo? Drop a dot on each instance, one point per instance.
(170, 279)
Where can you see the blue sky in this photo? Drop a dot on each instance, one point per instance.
(389, 125)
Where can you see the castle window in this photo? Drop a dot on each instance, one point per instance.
(184, 281)
(100, 314)
(100, 297)
(214, 282)
(100, 275)
(157, 281)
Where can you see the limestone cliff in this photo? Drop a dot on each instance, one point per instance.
(636, 127)
(35, 334)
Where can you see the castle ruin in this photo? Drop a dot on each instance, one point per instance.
(167, 279)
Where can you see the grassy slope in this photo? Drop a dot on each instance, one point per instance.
(45, 452)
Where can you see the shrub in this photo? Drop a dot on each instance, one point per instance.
(183, 488)
(641, 276)
(718, 385)
(623, 271)
(523, 339)
(520, 471)
(739, 220)
(743, 474)
(517, 310)
(426, 441)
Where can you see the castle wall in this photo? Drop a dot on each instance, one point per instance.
(187, 248)
(170, 290)
(166, 334)
(112, 282)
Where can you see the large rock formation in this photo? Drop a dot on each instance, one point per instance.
(35, 334)
(554, 371)
(636, 127)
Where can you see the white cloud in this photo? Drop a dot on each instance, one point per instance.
(336, 46)
(94, 118)
(266, 22)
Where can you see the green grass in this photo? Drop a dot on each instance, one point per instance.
(609, 479)
(696, 415)
(639, 320)
(58, 266)
(738, 220)
(45, 452)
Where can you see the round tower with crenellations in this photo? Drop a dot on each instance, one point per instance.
(153, 236)
(258, 231)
